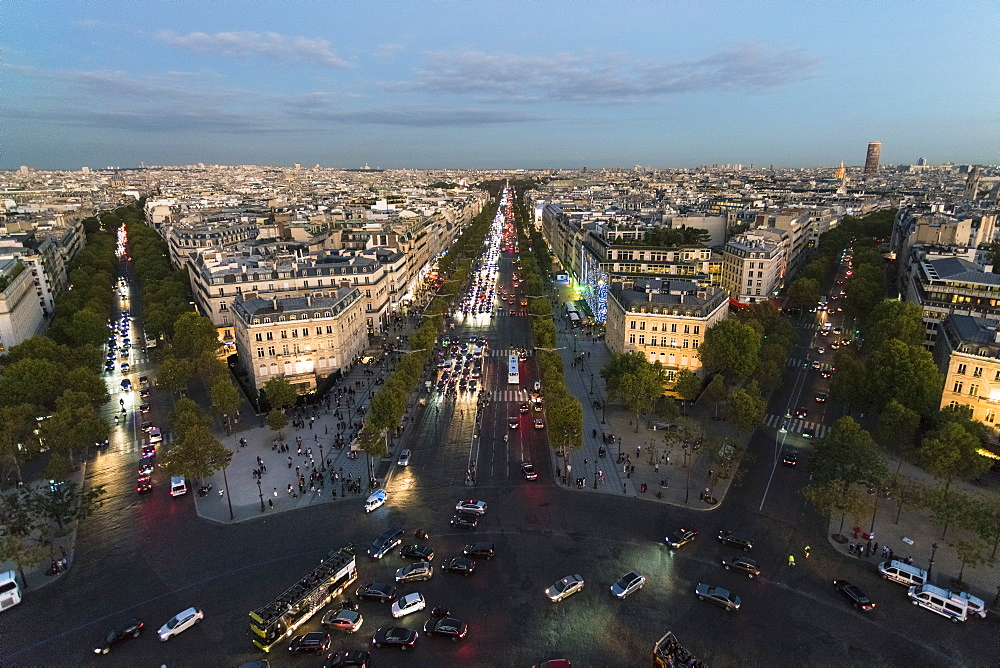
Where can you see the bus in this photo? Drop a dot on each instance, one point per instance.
(574, 319)
(571, 308)
(513, 375)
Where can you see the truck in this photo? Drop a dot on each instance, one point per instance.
(670, 654)
(272, 623)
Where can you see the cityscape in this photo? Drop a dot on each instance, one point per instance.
(482, 335)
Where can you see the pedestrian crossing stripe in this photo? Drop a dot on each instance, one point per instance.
(504, 352)
(795, 425)
(509, 395)
(795, 361)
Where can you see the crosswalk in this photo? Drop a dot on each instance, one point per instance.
(509, 395)
(795, 425)
(798, 362)
(504, 352)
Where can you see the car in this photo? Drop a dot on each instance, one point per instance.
(404, 458)
(528, 469)
(126, 384)
(115, 637)
(145, 467)
(144, 394)
(383, 592)
(471, 507)
(816, 364)
(854, 594)
(345, 620)
(418, 570)
(821, 349)
(567, 586)
(539, 423)
(790, 458)
(100, 445)
(523, 408)
(179, 623)
(408, 604)
(109, 366)
(512, 312)
(826, 373)
(484, 550)
(149, 450)
(144, 484)
(461, 565)
(315, 642)
(418, 552)
(463, 521)
(821, 397)
(628, 584)
(742, 565)
(146, 425)
(143, 408)
(155, 435)
(395, 636)
(808, 432)
(353, 658)
(681, 537)
(512, 422)
(721, 597)
(737, 540)
(446, 627)
(388, 540)
(801, 412)
(125, 367)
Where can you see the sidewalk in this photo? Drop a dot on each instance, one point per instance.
(635, 458)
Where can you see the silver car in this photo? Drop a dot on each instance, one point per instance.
(418, 570)
(628, 584)
(471, 506)
(721, 597)
(343, 620)
(567, 586)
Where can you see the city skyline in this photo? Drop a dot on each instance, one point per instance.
(488, 85)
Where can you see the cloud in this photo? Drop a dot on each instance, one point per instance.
(387, 51)
(149, 120)
(317, 107)
(272, 45)
(614, 78)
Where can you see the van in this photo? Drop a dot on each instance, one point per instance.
(10, 590)
(178, 485)
(902, 573)
(376, 500)
(956, 607)
(389, 539)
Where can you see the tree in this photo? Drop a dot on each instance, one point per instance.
(67, 502)
(565, 423)
(22, 552)
(768, 374)
(687, 385)
(893, 319)
(639, 390)
(197, 455)
(897, 427)
(984, 518)
(75, 425)
(277, 420)
(619, 366)
(951, 452)
(833, 497)
(845, 456)
(31, 381)
(804, 292)
(970, 553)
(848, 384)
(225, 399)
(18, 439)
(194, 335)
(280, 393)
(86, 381)
(746, 408)
(716, 392)
(905, 373)
(730, 346)
(174, 374)
(186, 415)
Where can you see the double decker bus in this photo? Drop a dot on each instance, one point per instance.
(513, 375)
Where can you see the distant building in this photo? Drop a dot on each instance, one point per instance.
(753, 267)
(871, 160)
(921, 162)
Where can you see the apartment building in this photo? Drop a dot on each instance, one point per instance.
(666, 321)
(968, 354)
(21, 315)
(753, 267)
(302, 339)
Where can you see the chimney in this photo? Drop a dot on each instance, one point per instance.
(274, 303)
(309, 300)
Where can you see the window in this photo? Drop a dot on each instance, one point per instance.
(284, 334)
(260, 352)
(305, 331)
(259, 336)
(223, 307)
(295, 333)
(991, 416)
(631, 338)
(329, 329)
(694, 344)
(960, 370)
(697, 329)
(642, 339)
(319, 330)
(270, 336)
(957, 388)
(270, 350)
(687, 329)
(977, 372)
(284, 349)
(974, 390)
(642, 325)
(673, 328)
(686, 343)
(652, 340)
(631, 324)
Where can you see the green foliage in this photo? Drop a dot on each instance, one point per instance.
(905, 373)
(972, 553)
(687, 385)
(897, 427)
(280, 393)
(730, 346)
(846, 455)
(18, 440)
(197, 455)
(75, 424)
(277, 420)
(804, 292)
(565, 416)
(951, 452)
(187, 414)
(195, 336)
(746, 408)
(174, 374)
(682, 237)
(848, 385)
(67, 503)
(833, 497)
(31, 381)
(894, 319)
(225, 397)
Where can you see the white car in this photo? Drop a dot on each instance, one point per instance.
(408, 604)
(182, 621)
(155, 436)
(471, 507)
(343, 620)
(565, 587)
(404, 458)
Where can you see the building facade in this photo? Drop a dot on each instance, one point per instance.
(968, 354)
(301, 339)
(21, 315)
(753, 268)
(872, 157)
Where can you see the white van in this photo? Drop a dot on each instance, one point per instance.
(376, 500)
(902, 573)
(956, 607)
(10, 590)
(178, 485)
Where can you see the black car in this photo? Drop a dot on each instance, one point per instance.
(461, 565)
(791, 458)
(447, 627)
(315, 642)
(742, 565)
(383, 592)
(417, 552)
(145, 467)
(681, 537)
(353, 658)
(144, 484)
(395, 636)
(484, 550)
(464, 521)
(132, 629)
(730, 538)
(854, 594)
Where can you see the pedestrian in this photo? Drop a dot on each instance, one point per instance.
(298, 450)
(270, 503)
(807, 548)
(276, 491)
(791, 560)
(289, 488)
(289, 461)
(585, 462)
(638, 448)
(656, 468)
(876, 547)
(624, 488)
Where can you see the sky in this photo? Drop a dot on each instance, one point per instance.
(543, 84)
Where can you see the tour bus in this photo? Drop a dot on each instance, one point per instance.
(956, 607)
(513, 374)
(574, 319)
(571, 308)
(10, 590)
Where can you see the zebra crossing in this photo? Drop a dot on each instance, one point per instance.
(509, 395)
(798, 362)
(505, 352)
(795, 425)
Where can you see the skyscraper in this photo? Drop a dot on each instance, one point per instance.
(871, 160)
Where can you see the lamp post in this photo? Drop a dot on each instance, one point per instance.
(322, 459)
(687, 489)
(225, 483)
(591, 383)
(930, 566)
(260, 493)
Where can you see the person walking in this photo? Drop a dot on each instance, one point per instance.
(791, 560)
(806, 550)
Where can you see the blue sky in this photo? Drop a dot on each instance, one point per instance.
(548, 83)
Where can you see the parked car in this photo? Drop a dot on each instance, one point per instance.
(628, 584)
(315, 643)
(463, 521)
(567, 586)
(180, 622)
(408, 604)
(383, 592)
(721, 597)
(471, 506)
(742, 565)
(352, 658)
(854, 594)
(115, 637)
(735, 539)
(484, 550)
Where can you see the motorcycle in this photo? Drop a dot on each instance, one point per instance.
(439, 612)
(420, 534)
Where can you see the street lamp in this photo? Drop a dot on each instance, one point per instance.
(260, 493)
(930, 566)
(225, 483)
(591, 383)
(322, 462)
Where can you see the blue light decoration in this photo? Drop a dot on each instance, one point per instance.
(600, 308)
(594, 283)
